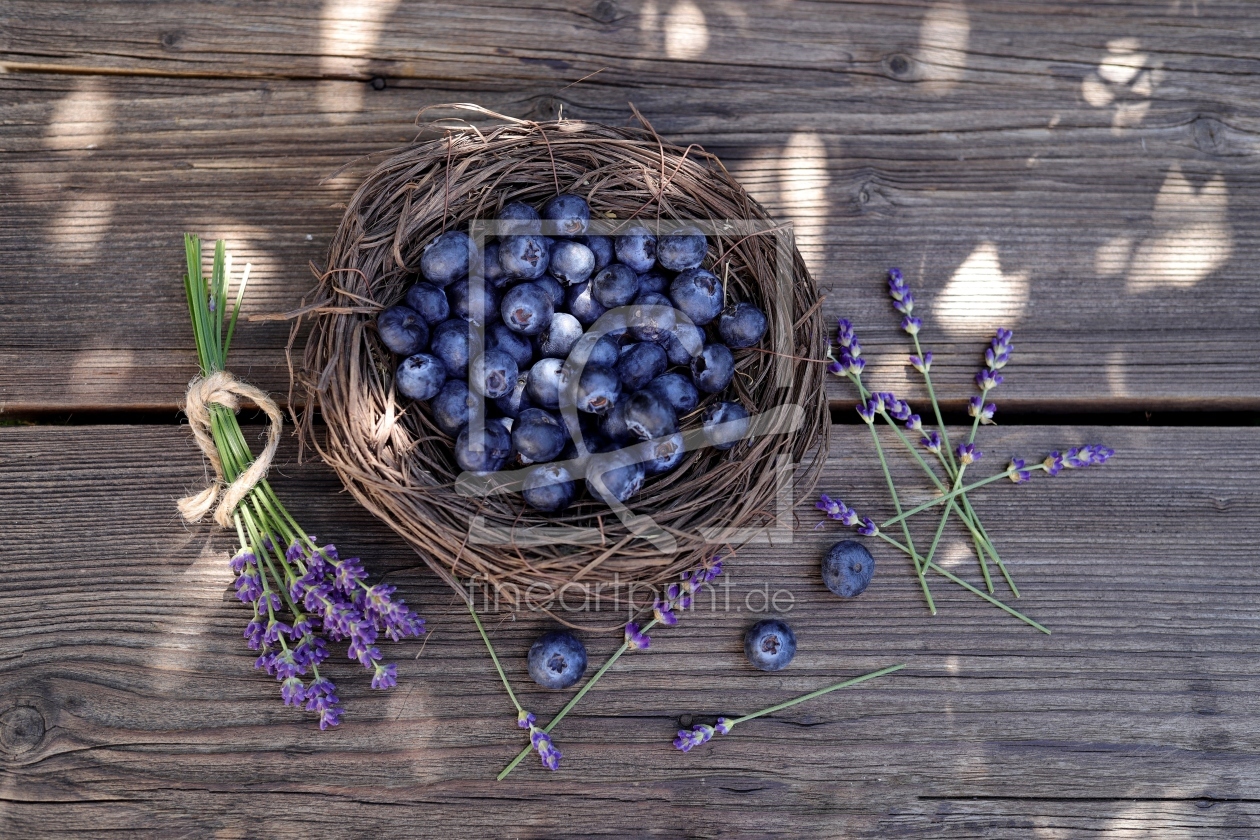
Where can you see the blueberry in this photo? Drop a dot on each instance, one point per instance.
(493, 374)
(677, 390)
(553, 289)
(847, 568)
(420, 377)
(682, 249)
(613, 426)
(557, 659)
(618, 471)
(500, 335)
(653, 281)
(698, 293)
(652, 318)
(601, 247)
(430, 302)
(452, 406)
(649, 416)
(545, 381)
(567, 215)
(683, 343)
(742, 325)
(512, 404)
(598, 389)
(583, 305)
(616, 285)
(527, 309)
(640, 364)
(549, 488)
(403, 330)
(725, 424)
(492, 269)
(770, 645)
(613, 324)
(561, 334)
(666, 452)
(605, 352)
(538, 435)
(447, 257)
(494, 446)
(636, 247)
(450, 344)
(518, 218)
(524, 257)
(571, 262)
(713, 369)
(462, 304)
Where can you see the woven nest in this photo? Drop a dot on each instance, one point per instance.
(401, 467)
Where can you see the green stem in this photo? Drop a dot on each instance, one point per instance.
(573, 702)
(819, 693)
(495, 659)
(950, 465)
(955, 493)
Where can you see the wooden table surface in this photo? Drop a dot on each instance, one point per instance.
(1084, 173)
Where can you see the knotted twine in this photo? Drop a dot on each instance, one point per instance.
(222, 388)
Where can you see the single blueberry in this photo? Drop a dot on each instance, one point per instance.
(499, 335)
(615, 286)
(725, 424)
(636, 247)
(561, 334)
(666, 452)
(683, 343)
(612, 426)
(770, 644)
(616, 474)
(652, 318)
(549, 488)
(493, 374)
(598, 389)
(742, 325)
(653, 281)
(403, 330)
(545, 383)
(583, 305)
(567, 215)
(601, 247)
(492, 269)
(640, 363)
(430, 302)
(514, 403)
(453, 406)
(682, 249)
(524, 257)
(420, 377)
(447, 258)
(649, 416)
(713, 369)
(490, 451)
(571, 262)
(847, 569)
(527, 309)
(463, 306)
(557, 659)
(518, 218)
(450, 344)
(553, 289)
(605, 352)
(613, 324)
(677, 390)
(538, 435)
(698, 293)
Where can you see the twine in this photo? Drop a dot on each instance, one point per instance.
(222, 388)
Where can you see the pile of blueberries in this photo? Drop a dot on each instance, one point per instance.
(628, 329)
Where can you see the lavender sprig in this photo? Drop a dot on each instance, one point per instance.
(689, 739)
(677, 597)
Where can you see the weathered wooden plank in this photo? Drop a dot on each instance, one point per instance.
(129, 703)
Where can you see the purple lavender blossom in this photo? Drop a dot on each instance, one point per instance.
(838, 510)
(914, 423)
(1053, 463)
(999, 350)
(932, 441)
(853, 364)
(525, 720)
(293, 691)
(1018, 474)
(899, 290)
(922, 363)
(977, 407)
(385, 675)
(968, 454)
(898, 409)
(911, 324)
(836, 366)
(689, 739)
(987, 380)
(868, 528)
(846, 336)
(242, 559)
(321, 696)
(636, 639)
(723, 726)
(547, 751)
(866, 412)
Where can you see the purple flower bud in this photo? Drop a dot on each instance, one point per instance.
(688, 739)
(987, 380)
(914, 423)
(922, 363)
(911, 324)
(242, 559)
(664, 614)
(976, 407)
(906, 305)
(876, 403)
(932, 441)
(866, 412)
(845, 333)
(868, 528)
(723, 726)
(635, 639)
(1053, 463)
(525, 720)
(835, 367)
(968, 454)
(1018, 474)
(898, 288)
(292, 691)
(547, 751)
(899, 409)
(385, 676)
(854, 365)
(999, 351)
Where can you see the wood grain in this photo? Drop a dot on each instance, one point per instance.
(127, 700)
(1088, 179)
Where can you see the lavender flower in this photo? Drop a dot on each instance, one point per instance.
(838, 510)
(987, 380)
(689, 739)
(321, 697)
(853, 364)
(914, 423)
(976, 407)
(999, 350)
(1019, 475)
(932, 442)
(636, 639)
(922, 363)
(1053, 463)
(867, 413)
(899, 290)
(723, 726)
(968, 454)
(868, 528)
(846, 336)
(1087, 456)
(835, 366)
(911, 324)
(525, 720)
(898, 409)
(547, 751)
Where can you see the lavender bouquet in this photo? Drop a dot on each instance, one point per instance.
(301, 594)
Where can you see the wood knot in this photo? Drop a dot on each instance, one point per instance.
(899, 65)
(21, 729)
